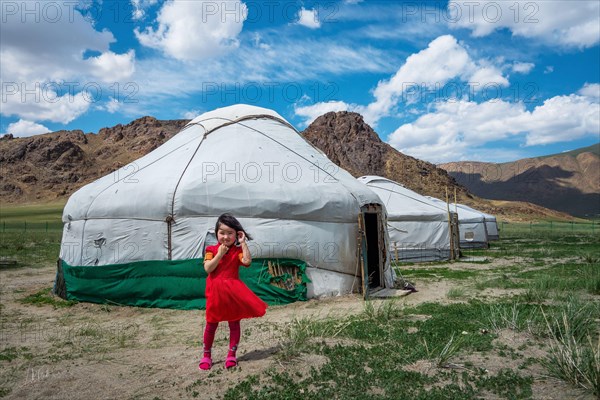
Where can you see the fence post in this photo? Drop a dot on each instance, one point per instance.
(25, 226)
(530, 226)
(572, 226)
(46, 226)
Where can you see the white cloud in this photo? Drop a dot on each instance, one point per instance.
(194, 30)
(444, 59)
(112, 106)
(258, 43)
(561, 119)
(591, 90)
(140, 7)
(561, 22)
(45, 69)
(24, 128)
(111, 67)
(312, 112)
(485, 76)
(274, 71)
(191, 114)
(453, 121)
(549, 69)
(45, 104)
(308, 18)
(456, 129)
(441, 61)
(522, 68)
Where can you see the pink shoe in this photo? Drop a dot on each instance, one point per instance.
(205, 364)
(231, 362)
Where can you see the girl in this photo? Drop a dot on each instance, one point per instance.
(227, 297)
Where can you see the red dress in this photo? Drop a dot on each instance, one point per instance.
(227, 297)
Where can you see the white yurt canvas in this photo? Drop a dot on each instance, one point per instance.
(418, 228)
(473, 232)
(137, 236)
(491, 224)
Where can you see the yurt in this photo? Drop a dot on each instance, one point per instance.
(137, 236)
(419, 229)
(491, 224)
(473, 232)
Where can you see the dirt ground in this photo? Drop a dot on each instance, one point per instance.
(92, 351)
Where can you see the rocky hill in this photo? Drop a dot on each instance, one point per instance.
(353, 145)
(568, 182)
(47, 167)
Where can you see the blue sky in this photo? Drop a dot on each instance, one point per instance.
(441, 81)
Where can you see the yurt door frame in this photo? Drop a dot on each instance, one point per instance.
(372, 248)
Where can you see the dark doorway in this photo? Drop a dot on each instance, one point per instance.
(373, 251)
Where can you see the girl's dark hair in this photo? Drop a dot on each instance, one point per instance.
(230, 221)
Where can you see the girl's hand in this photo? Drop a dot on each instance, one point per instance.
(222, 250)
(241, 237)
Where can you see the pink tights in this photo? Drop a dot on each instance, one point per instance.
(235, 332)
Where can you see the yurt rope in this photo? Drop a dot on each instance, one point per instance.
(405, 195)
(266, 116)
(128, 176)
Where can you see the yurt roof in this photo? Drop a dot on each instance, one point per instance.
(244, 159)
(401, 202)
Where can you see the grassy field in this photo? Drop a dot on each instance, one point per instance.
(34, 217)
(519, 321)
(390, 351)
(34, 212)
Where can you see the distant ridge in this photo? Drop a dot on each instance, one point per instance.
(594, 149)
(567, 182)
(52, 166)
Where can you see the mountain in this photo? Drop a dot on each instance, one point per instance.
(353, 145)
(46, 167)
(567, 182)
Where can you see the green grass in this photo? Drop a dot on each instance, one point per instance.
(45, 297)
(575, 349)
(34, 213)
(374, 349)
(548, 228)
(382, 311)
(456, 293)
(9, 354)
(371, 365)
(504, 281)
(425, 271)
(26, 219)
(30, 249)
(565, 277)
(12, 353)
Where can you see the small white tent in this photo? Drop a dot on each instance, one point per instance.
(418, 228)
(473, 232)
(491, 224)
(137, 236)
